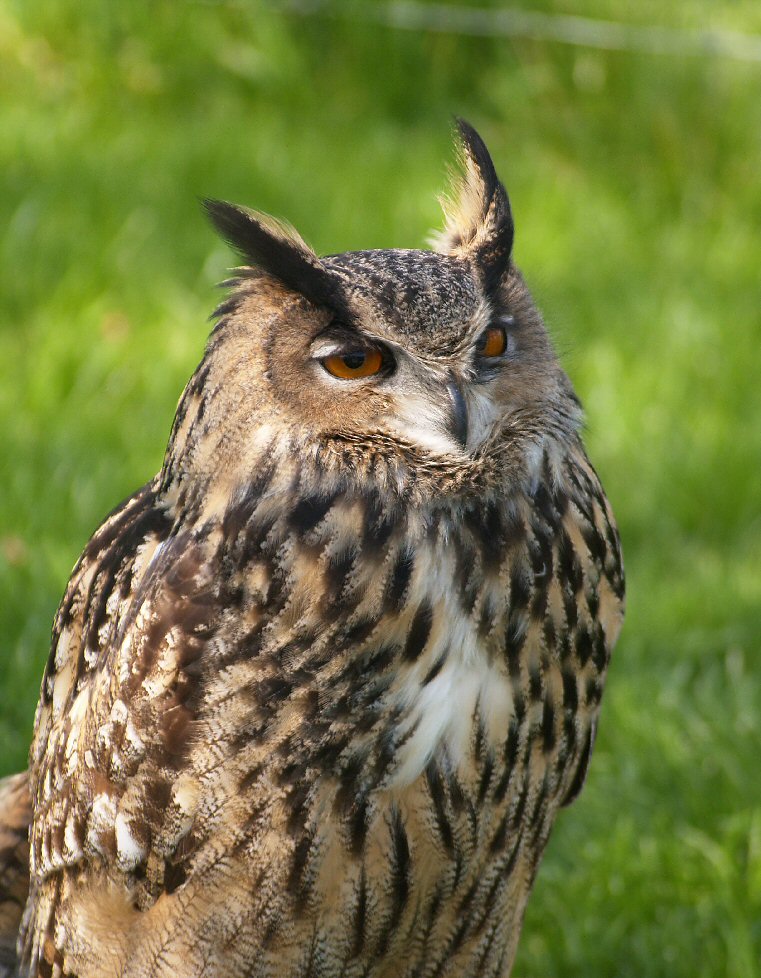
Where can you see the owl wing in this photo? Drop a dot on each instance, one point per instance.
(591, 569)
(113, 723)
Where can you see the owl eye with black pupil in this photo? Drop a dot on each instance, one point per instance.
(354, 360)
(355, 364)
(492, 342)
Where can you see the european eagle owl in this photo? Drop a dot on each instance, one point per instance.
(317, 691)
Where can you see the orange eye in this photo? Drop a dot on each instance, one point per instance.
(355, 364)
(492, 342)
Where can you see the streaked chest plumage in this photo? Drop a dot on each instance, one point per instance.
(414, 693)
(357, 721)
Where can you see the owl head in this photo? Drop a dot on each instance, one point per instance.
(422, 360)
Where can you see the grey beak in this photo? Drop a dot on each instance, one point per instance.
(458, 418)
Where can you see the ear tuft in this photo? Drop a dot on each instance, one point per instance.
(478, 220)
(278, 249)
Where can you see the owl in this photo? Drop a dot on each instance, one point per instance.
(317, 691)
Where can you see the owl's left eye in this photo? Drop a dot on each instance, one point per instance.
(492, 342)
(354, 364)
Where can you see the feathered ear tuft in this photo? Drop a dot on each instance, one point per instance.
(478, 220)
(277, 249)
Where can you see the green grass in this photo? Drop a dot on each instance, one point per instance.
(635, 186)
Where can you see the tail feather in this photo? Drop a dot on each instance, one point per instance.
(15, 816)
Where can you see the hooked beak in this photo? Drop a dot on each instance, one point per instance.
(458, 415)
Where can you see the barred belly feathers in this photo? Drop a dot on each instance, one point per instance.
(317, 692)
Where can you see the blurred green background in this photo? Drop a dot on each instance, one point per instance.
(635, 180)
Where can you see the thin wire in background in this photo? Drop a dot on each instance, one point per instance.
(565, 29)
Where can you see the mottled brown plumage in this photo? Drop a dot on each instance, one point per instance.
(15, 815)
(318, 690)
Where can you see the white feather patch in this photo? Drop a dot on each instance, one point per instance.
(129, 851)
(101, 824)
(441, 712)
